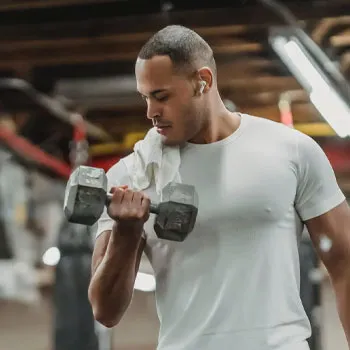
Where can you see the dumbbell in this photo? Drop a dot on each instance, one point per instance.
(86, 196)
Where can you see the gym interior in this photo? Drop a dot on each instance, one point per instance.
(68, 97)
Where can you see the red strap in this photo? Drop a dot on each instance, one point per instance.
(79, 129)
(286, 113)
(287, 118)
(27, 150)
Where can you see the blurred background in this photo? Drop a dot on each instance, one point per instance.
(68, 97)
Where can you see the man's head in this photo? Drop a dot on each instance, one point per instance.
(175, 71)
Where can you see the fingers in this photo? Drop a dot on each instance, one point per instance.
(128, 196)
(128, 205)
(145, 202)
(118, 194)
(113, 189)
(138, 197)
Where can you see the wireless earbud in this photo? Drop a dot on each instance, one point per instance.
(203, 85)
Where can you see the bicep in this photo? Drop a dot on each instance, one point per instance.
(330, 234)
(317, 188)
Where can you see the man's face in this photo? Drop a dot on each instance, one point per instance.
(171, 102)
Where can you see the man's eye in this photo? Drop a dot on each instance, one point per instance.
(162, 98)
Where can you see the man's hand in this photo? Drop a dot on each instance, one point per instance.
(128, 208)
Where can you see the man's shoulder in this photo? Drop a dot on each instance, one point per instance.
(268, 123)
(274, 130)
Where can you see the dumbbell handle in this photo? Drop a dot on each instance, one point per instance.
(154, 208)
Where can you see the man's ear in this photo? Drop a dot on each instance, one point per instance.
(205, 77)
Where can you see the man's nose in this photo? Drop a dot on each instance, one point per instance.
(153, 110)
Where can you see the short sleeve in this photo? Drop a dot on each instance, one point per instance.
(317, 189)
(117, 175)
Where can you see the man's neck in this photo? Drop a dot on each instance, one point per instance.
(219, 127)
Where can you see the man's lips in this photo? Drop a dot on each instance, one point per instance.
(162, 129)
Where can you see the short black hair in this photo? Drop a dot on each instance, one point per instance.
(186, 49)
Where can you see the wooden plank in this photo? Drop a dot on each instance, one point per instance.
(151, 23)
(345, 63)
(261, 99)
(326, 24)
(101, 53)
(88, 46)
(246, 66)
(259, 84)
(131, 28)
(302, 113)
(218, 34)
(109, 30)
(10, 5)
(340, 40)
(95, 43)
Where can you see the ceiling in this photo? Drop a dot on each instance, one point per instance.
(56, 44)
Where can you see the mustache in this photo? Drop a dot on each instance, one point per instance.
(159, 124)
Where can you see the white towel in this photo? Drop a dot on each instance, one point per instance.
(153, 160)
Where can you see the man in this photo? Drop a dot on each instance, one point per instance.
(234, 282)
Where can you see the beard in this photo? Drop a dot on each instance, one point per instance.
(186, 126)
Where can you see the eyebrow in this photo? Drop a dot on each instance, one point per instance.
(155, 92)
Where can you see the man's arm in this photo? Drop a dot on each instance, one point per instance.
(115, 263)
(335, 226)
(118, 249)
(323, 208)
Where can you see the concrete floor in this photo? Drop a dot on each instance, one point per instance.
(32, 325)
(332, 334)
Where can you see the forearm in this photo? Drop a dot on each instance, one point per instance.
(341, 285)
(112, 283)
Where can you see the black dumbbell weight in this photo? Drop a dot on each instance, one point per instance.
(86, 195)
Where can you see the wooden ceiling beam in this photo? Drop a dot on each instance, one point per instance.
(263, 99)
(247, 64)
(65, 33)
(150, 23)
(345, 63)
(302, 113)
(326, 24)
(102, 53)
(259, 84)
(214, 37)
(52, 60)
(10, 5)
(340, 40)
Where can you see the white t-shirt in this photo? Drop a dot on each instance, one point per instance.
(234, 282)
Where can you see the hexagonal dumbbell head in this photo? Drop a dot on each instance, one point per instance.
(85, 195)
(177, 213)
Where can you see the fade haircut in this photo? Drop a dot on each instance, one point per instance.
(187, 50)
